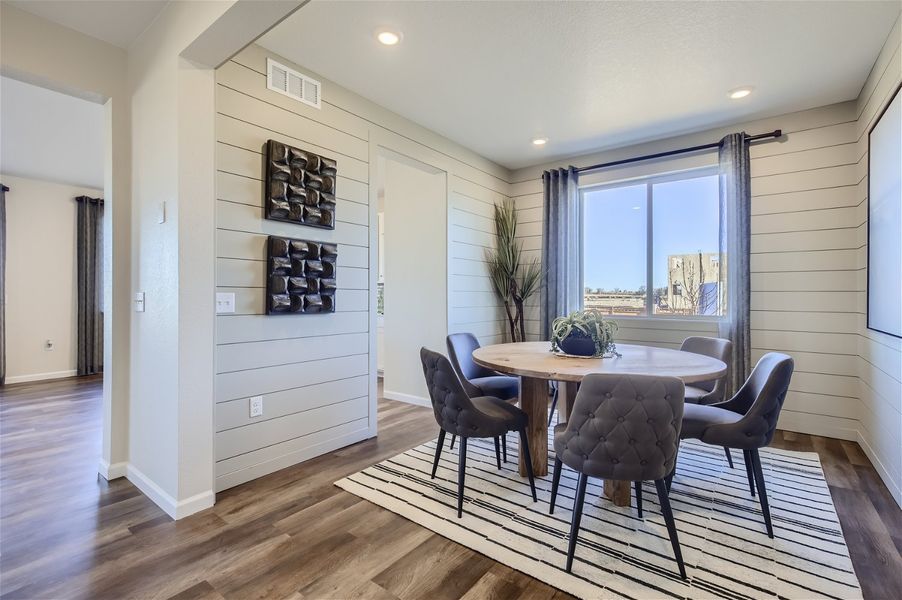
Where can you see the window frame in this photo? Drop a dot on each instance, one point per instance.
(650, 181)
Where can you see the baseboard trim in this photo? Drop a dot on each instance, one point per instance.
(41, 376)
(408, 398)
(112, 471)
(891, 485)
(175, 509)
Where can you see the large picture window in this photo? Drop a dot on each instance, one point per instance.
(651, 247)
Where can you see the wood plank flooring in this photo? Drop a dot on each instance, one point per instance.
(66, 533)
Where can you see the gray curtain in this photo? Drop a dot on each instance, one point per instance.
(735, 247)
(3, 190)
(89, 248)
(560, 247)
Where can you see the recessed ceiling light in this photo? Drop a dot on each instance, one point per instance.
(539, 141)
(636, 208)
(388, 37)
(740, 93)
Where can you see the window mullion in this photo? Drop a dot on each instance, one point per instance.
(649, 247)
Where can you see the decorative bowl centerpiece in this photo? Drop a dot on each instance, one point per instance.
(584, 333)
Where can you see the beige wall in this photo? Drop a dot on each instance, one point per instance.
(42, 303)
(325, 397)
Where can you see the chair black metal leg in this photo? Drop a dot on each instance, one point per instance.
(668, 481)
(639, 497)
(762, 491)
(461, 471)
(438, 450)
(555, 481)
(527, 460)
(747, 456)
(671, 525)
(577, 516)
(453, 437)
(729, 456)
(504, 448)
(553, 406)
(498, 452)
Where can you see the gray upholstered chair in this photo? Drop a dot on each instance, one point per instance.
(477, 380)
(480, 417)
(747, 421)
(625, 428)
(707, 392)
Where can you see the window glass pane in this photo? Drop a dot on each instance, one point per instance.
(614, 250)
(686, 268)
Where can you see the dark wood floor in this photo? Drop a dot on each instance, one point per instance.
(65, 533)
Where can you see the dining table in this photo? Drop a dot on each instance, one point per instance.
(537, 365)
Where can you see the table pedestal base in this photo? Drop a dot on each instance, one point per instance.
(534, 402)
(617, 492)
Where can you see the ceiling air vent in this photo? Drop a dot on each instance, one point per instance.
(280, 78)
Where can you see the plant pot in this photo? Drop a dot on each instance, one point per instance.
(578, 344)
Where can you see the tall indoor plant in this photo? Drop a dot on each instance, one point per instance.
(514, 281)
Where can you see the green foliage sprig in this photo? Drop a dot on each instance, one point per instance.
(590, 323)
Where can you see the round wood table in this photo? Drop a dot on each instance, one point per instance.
(536, 366)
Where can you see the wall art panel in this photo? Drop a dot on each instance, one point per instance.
(300, 277)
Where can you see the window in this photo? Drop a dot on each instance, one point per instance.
(651, 246)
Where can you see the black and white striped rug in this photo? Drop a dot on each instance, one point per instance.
(721, 530)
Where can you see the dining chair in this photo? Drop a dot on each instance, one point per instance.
(477, 380)
(747, 421)
(623, 428)
(480, 417)
(709, 392)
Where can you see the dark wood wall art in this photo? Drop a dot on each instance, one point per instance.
(300, 276)
(300, 186)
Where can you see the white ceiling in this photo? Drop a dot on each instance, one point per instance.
(589, 76)
(51, 136)
(117, 22)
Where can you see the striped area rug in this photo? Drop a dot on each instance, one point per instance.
(725, 547)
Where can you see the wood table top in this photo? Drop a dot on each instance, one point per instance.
(535, 359)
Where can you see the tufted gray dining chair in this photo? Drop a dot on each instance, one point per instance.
(709, 392)
(746, 421)
(478, 380)
(625, 428)
(481, 417)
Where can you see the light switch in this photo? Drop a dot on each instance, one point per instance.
(225, 302)
(139, 302)
(256, 406)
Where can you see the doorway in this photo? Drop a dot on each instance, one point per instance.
(412, 276)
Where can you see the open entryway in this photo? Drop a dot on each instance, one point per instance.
(412, 279)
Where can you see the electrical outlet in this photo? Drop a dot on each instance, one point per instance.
(48, 345)
(256, 406)
(225, 302)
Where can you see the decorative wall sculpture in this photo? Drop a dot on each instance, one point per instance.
(300, 186)
(300, 276)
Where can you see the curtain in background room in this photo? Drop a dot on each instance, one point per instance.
(561, 253)
(3, 190)
(89, 234)
(735, 246)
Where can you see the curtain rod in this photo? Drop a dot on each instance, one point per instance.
(5, 189)
(749, 138)
(89, 200)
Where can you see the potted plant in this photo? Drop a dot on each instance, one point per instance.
(584, 333)
(513, 279)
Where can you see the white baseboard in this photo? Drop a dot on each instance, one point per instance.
(112, 471)
(41, 376)
(891, 485)
(408, 398)
(175, 509)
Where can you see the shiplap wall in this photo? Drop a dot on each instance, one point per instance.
(806, 288)
(879, 355)
(317, 373)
